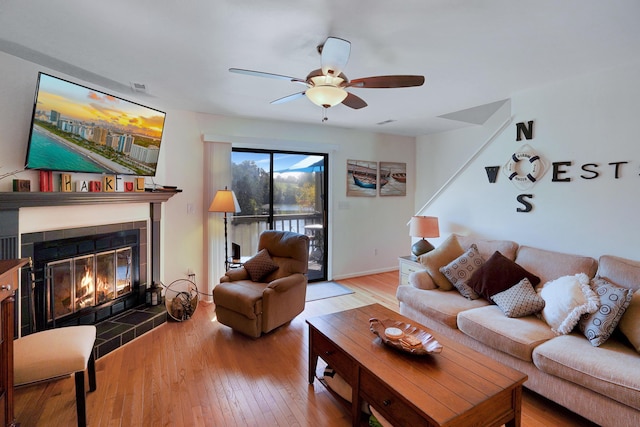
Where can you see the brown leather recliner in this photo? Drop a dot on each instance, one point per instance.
(257, 307)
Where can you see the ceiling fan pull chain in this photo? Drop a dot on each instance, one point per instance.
(324, 114)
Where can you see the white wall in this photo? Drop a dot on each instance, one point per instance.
(590, 119)
(358, 226)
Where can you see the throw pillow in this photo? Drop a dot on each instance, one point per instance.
(459, 271)
(519, 300)
(260, 265)
(421, 280)
(497, 274)
(630, 322)
(449, 250)
(614, 300)
(566, 299)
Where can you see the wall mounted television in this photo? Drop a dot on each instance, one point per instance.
(78, 129)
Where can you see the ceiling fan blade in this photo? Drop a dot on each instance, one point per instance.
(334, 56)
(354, 101)
(387, 82)
(267, 75)
(288, 98)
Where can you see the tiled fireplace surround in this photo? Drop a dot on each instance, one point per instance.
(124, 319)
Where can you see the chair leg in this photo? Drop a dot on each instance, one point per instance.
(92, 372)
(81, 404)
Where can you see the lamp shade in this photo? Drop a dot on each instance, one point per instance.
(424, 226)
(224, 201)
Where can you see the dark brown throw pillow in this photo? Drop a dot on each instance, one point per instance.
(498, 274)
(260, 265)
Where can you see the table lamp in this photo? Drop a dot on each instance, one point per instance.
(423, 226)
(225, 201)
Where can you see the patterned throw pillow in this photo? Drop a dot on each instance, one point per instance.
(614, 300)
(260, 265)
(519, 300)
(459, 271)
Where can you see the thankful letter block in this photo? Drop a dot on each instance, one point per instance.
(139, 185)
(108, 183)
(82, 186)
(65, 183)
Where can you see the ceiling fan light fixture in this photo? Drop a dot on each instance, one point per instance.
(326, 96)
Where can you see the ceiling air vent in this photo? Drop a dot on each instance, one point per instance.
(139, 87)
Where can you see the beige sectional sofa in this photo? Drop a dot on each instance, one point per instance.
(600, 383)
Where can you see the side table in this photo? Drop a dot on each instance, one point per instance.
(408, 264)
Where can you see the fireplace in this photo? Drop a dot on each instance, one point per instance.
(84, 276)
(113, 329)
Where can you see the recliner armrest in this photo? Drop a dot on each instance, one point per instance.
(235, 274)
(283, 284)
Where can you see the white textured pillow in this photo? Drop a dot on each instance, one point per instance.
(566, 299)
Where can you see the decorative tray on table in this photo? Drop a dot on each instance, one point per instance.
(405, 337)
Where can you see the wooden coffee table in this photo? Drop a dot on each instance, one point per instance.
(457, 387)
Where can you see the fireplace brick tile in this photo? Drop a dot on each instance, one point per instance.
(117, 331)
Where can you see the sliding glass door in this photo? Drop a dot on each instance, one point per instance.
(281, 190)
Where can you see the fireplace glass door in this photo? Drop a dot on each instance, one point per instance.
(123, 271)
(105, 273)
(86, 281)
(60, 299)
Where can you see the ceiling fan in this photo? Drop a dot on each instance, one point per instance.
(327, 86)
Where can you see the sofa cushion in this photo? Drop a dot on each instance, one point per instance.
(519, 300)
(613, 369)
(260, 265)
(486, 248)
(549, 265)
(449, 250)
(566, 299)
(436, 304)
(516, 337)
(497, 274)
(625, 273)
(630, 322)
(614, 300)
(460, 270)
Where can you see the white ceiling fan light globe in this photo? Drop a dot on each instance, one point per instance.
(326, 96)
(326, 91)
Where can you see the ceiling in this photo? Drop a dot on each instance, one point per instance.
(472, 53)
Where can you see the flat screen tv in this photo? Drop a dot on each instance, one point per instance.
(78, 129)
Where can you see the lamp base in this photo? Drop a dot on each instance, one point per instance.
(421, 247)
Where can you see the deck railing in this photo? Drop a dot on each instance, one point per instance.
(246, 229)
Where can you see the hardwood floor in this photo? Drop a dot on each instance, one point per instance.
(200, 373)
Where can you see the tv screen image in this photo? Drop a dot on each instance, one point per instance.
(78, 129)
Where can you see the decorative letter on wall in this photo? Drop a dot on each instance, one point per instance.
(492, 173)
(521, 128)
(527, 206)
